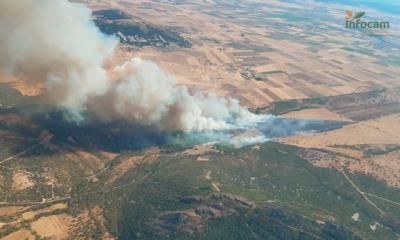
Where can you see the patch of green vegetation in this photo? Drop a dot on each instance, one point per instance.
(281, 107)
(8, 230)
(273, 175)
(317, 100)
(369, 150)
(286, 106)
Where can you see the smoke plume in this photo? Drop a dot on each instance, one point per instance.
(55, 43)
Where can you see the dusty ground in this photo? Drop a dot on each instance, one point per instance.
(53, 227)
(20, 234)
(52, 223)
(10, 211)
(21, 181)
(30, 215)
(319, 113)
(368, 147)
(374, 131)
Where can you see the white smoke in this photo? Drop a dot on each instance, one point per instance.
(55, 43)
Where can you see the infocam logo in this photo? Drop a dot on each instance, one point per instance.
(354, 21)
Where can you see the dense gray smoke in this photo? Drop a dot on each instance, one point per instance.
(56, 44)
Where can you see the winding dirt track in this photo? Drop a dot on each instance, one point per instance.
(362, 193)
